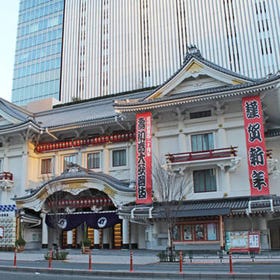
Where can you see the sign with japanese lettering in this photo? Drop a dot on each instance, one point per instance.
(242, 241)
(256, 150)
(144, 158)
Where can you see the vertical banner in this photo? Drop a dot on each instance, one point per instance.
(256, 150)
(144, 158)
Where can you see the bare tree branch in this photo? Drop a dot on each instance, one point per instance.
(170, 189)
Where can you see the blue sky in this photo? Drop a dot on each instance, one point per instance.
(8, 31)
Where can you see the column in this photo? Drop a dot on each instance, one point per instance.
(132, 163)
(79, 158)
(182, 143)
(58, 164)
(221, 228)
(69, 238)
(125, 234)
(106, 160)
(24, 170)
(96, 239)
(106, 240)
(263, 233)
(44, 231)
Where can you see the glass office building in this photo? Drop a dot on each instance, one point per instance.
(80, 49)
(38, 51)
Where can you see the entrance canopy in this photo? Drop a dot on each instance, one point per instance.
(76, 180)
(94, 220)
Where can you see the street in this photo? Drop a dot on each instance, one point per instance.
(44, 276)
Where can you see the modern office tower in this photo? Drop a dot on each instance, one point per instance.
(37, 68)
(113, 46)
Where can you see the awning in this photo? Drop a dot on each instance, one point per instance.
(203, 212)
(33, 221)
(94, 220)
(202, 208)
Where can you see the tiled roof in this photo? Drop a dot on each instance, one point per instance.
(15, 111)
(209, 207)
(272, 132)
(81, 113)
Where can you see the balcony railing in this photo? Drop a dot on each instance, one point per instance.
(202, 155)
(6, 176)
(6, 180)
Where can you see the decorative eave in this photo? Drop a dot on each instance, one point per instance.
(197, 97)
(16, 113)
(28, 125)
(193, 53)
(75, 180)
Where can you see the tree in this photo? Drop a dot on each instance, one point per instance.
(170, 190)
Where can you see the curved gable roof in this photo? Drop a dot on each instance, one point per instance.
(196, 68)
(212, 82)
(75, 180)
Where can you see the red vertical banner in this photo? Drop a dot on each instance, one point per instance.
(256, 150)
(144, 158)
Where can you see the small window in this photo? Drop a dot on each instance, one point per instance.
(212, 231)
(68, 160)
(199, 232)
(202, 142)
(204, 180)
(200, 114)
(93, 160)
(188, 233)
(119, 158)
(46, 166)
(196, 231)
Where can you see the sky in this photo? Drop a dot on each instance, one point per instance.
(8, 32)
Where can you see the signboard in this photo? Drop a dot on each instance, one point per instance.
(144, 158)
(254, 241)
(255, 142)
(242, 241)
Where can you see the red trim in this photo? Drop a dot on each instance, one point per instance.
(202, 155)
(67, 144)
(83, 202)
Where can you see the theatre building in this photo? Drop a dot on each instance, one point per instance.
(90, 165)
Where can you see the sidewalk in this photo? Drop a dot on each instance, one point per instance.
(139, 257)
(98, 256)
